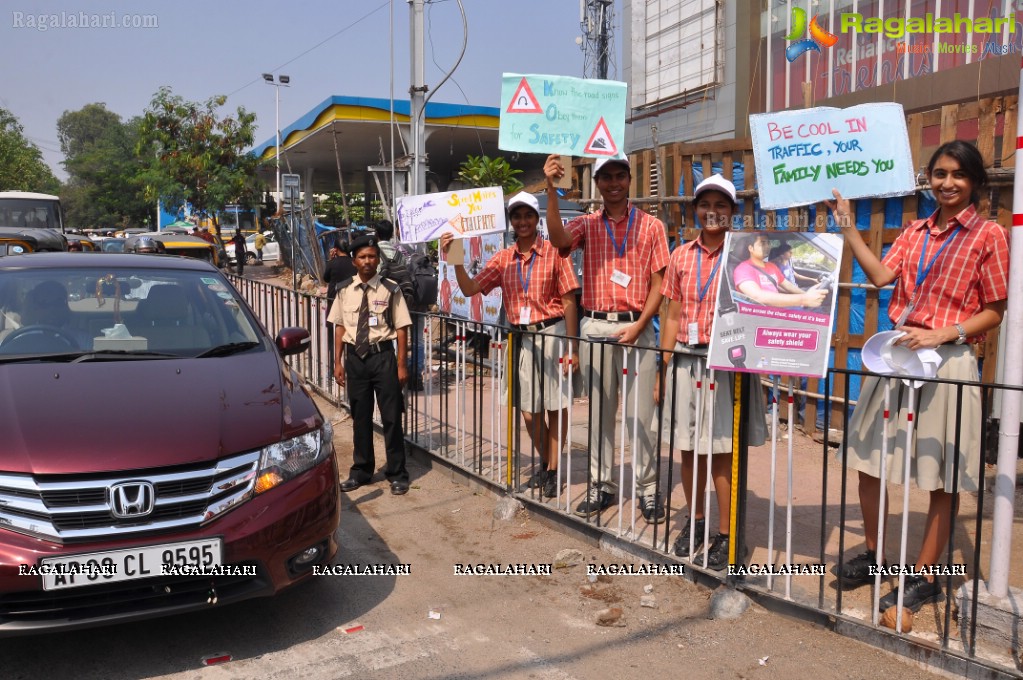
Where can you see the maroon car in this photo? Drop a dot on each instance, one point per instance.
(158, 455)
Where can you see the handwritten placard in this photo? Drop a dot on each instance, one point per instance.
(800, 156)
(557, 114)
(469, 212)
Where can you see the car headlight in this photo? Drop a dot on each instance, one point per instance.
(286, 460)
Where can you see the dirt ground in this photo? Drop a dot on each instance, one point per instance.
(546, 626)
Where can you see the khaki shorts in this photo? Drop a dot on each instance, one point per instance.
(681, 389)
(935, 427)
(538, 367)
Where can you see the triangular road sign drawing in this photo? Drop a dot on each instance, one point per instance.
(601, 142)
(523, 101)
(456, 222)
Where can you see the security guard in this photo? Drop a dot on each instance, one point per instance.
(369, 314)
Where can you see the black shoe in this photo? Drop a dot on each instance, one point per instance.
(681, 547)
(350, 484)
(919, 591)
(537, 480)
(596, 500)
(652, 507)
(399, 488)
(717, 554)
(856, 572)
(550, 484)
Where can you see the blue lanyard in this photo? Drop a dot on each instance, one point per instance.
(701, 291)
(619, 249)
(529, 274)
(922, 271)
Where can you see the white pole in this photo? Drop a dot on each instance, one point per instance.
(1008, 438)
(277, 149)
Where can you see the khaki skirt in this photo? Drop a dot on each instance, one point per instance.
(680, 412)
(934, 434)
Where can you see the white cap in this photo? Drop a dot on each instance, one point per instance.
(524, 198)
(604, 161)
(716, 183)
(881, 355)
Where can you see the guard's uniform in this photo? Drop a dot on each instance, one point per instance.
(375, 373)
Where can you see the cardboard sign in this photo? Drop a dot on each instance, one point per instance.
(470, 212)
(800, 156)
(558, 114)
(774, 314)
(474, 253)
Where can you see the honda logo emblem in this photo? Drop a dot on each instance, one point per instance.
(129, 500)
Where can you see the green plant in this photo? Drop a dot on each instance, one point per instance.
(483, 171)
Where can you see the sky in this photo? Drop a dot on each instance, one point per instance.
(203, 49)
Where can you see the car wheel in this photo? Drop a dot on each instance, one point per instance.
(250, 258)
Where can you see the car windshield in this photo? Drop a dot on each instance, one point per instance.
(132, 312)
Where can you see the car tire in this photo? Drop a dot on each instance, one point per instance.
(250, 258)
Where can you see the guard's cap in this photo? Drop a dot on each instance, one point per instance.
(363, 242)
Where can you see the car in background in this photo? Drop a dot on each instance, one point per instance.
(191, 468)
(40, 239)
(111, 245)
(176, 244)
(271, 251)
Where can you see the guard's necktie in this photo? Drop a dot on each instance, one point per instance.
(362, 331)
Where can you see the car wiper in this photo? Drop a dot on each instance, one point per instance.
(86, 355)
(117, 354)
(227, 350)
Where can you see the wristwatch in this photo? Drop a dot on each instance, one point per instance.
(962, 334)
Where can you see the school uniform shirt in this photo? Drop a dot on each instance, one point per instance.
(534, 281)
(972, 270)
(345, 310)
(640, 248)
(692, 270)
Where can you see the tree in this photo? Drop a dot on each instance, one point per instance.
(21, 162)
(194, 155)
(483, 171)
(103, 187)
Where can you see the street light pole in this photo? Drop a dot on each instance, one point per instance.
(282, 80)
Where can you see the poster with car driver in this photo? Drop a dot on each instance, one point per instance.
(776, 303)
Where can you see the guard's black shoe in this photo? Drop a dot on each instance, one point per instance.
(350, 484)
(399, 488)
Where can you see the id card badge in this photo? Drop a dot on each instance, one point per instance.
(373, 321)
(694, 334)
(620, 278)
(905, 315)
(524, 316)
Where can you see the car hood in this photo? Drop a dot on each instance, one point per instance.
(58, 418)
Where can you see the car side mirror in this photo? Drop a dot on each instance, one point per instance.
(292, 340)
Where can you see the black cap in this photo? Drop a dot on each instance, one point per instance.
(363, 242)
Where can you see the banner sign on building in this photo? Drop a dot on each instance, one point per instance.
(800, 156)
(558, 114)
(469, 212)
(776, 303)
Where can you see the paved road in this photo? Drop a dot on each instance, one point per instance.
(489, 627)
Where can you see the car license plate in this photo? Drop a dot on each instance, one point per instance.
(129, 564)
